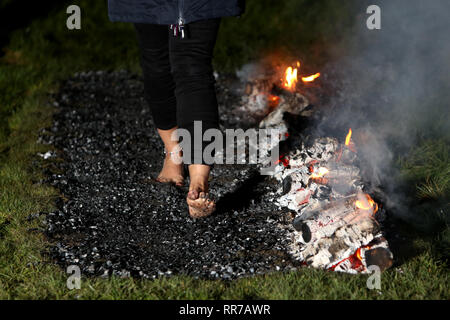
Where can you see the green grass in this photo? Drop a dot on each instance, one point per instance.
(428, 166)
(45, 52)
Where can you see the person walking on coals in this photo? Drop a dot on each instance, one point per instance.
(177, 39)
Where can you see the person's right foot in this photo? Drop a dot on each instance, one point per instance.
(200, 205)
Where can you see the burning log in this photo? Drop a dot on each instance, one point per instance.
(335, 221)
(344, 178)
(375, 253)
(324, 223)
(346, 250)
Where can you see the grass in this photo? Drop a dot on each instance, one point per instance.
(428, 165)
(45, 52)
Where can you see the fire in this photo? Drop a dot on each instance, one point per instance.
(348, 141)
(358, 254)
(367, 204)
(320, 172)
(355, 260)
(311, 78)
(348, 137)
(290, 76)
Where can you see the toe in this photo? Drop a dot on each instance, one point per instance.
(193, 195)
(201, 207)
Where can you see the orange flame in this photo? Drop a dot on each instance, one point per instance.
(358, 254)
(320, 172)
(311, 78)
(348, 137)
(290, 76)
(369, 204)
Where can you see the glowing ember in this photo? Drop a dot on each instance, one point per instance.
(273, 101)
(290, 76)
(311, 78)
(320, 172)
(367, 203)
(348, 137)
(355, 259)
(311, 165)
(284, 160)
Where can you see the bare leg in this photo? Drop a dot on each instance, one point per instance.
(200, 205)
(171, 172)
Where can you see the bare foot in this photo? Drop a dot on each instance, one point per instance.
(200, 205)
(171, 172)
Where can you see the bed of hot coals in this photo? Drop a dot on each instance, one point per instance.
(113, 218)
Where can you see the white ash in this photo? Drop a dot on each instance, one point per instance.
(47, 155)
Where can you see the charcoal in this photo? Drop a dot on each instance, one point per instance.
(297, 223)
(287, 184)
(113, 218)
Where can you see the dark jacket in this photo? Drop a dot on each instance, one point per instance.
(170, 11)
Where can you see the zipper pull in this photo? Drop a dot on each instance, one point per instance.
(181, 27)
(181, 31)
(178, 29)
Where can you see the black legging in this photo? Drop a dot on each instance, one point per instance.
(178, 75)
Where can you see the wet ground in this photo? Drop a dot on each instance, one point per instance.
(113, 218)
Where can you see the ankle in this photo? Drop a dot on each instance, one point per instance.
(199, 183)
(199, 170)
(175, 155)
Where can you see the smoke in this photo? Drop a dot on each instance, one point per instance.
(393, 86)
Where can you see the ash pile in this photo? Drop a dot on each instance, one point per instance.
(336, 225)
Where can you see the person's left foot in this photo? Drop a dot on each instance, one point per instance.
(171, 172)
